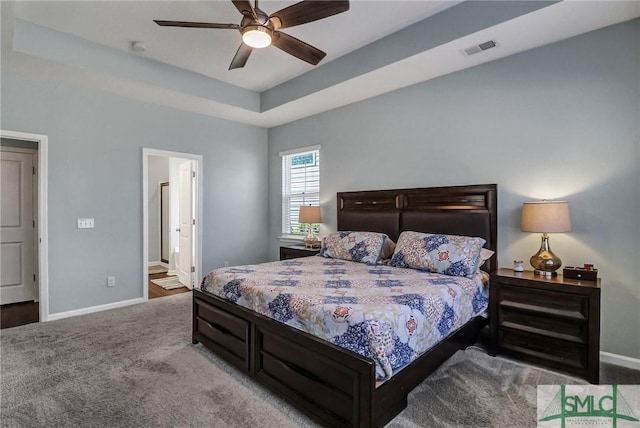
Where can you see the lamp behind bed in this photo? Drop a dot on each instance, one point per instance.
(311, 215)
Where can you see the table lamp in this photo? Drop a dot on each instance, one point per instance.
(545, 217)
(310, 215)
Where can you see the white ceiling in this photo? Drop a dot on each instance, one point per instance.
(96, 54)
(209, 51)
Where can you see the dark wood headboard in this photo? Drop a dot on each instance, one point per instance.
(454, 210)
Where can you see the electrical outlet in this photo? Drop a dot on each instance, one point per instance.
(111, 281)
(226, 263)
(85, 223)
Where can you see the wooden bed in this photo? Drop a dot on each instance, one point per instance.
(335, 386)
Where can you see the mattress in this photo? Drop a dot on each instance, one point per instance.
(391, 315)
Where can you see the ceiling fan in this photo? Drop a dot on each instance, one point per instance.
(260, 30)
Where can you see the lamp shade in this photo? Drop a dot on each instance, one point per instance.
(309, 214)
(546, 217)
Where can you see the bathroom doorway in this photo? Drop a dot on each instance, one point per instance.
(172, 231)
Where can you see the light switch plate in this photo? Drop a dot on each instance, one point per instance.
(85, 223)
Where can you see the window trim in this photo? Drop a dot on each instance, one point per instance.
(287, 236)
(300, 150)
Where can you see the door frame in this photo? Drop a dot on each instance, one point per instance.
(161, 218)
(146, 152)
(42, 249)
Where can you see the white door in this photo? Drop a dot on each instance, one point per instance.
(17, 225)
(185, 235)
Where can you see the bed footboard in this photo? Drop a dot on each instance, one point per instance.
(333, 385)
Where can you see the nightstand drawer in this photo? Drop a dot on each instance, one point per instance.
(544, 303)
(297, 251)
(576, 331)
(554, 352)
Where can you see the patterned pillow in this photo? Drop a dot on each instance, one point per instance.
(485, 254)
(451, 255)
(362, 247)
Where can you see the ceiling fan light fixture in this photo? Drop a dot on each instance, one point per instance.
(260, 30)
(256, 36)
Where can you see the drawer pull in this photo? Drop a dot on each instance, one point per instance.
(305, 373)
(544, 310)
(542, 332)
(222, 337)
(219, 327)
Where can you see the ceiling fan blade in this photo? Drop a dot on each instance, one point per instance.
(297, 48)
(307, 11)
(244, 7)
(196, 24)
(241, 56)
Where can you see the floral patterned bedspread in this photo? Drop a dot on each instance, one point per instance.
(389, 314)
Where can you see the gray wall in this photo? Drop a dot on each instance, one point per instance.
(38, 41)
(458, 21)
(95, 171)
(557, 122)
(158, 172)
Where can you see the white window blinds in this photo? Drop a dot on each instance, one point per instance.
(300, 186)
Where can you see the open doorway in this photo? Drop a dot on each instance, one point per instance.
(172, 231)
(23, 229)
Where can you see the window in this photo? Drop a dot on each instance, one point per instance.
(300, 186)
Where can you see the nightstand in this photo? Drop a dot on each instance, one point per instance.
(295, 251)
(550, 321)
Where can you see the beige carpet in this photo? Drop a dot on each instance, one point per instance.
(128, 367)
(136, 367)
(168, 283)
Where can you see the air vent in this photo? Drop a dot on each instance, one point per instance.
(481, 47)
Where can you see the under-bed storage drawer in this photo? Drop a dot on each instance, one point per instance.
(321, 384)
(223, 331)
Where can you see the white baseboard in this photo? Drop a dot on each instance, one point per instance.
(620, 360)
(172, 272)
(92, 309)
(163, 264)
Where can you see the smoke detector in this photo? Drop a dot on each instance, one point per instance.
(138, 47)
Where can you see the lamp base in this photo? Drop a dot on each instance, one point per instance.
(544, 261)
(311, 241)
(545, 273)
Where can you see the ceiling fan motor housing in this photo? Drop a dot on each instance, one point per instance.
(262, 19)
